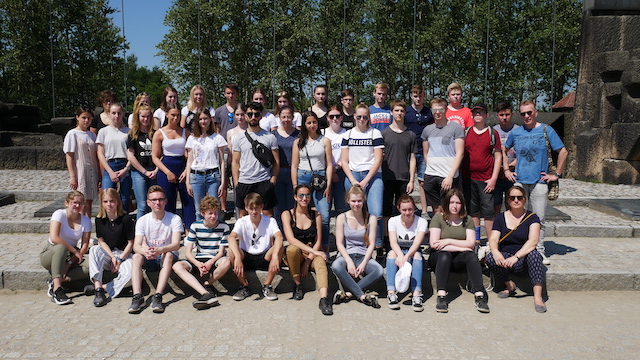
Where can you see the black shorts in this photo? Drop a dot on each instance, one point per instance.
(433, 189)
(479, 203)
(255, 262)
(264, 188)
(392, 191)
(196, 272)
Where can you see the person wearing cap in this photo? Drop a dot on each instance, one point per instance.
(480, 168)
(532, 163)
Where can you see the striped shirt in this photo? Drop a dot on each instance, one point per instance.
(207, 240)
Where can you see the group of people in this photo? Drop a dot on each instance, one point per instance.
(288, 171)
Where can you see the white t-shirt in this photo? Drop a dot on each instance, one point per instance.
(361, 148)
(268, 121)
(69, 235)
(259, 241)
(190, 115)
(205, 151)
(407, 236)
(160, 115)
(297, 120)
(336, 142)
(158, 233)
(70, 143)
(114, 141)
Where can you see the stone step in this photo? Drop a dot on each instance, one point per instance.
(625, 208)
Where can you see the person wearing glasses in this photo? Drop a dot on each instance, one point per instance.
(302, 228)
(347, 100)
(513, 243)
(255, 244)
(362, 149)
(335, 133)
(249, 174)
(532, 163)
(443, 149)
(156, 244)
(267, 119)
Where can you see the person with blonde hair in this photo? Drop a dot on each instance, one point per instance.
(142, 99)
(144, 172)
(197, 102)
(115, 232)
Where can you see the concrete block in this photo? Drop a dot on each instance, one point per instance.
(550, 229)
(620, 171)
(585, 281)
(24, 279)
(605, 32)
(631, 25)
(22, 226)
(600, 231)
(625, 136)
(636, 230)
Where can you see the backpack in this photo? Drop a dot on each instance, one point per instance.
(491, 133)
(261, 152)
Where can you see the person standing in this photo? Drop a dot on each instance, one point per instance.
(456, 112)
(532, 163)
(504, 128)
(144, 171)
(380, 112)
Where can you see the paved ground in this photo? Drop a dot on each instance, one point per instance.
(578, 325)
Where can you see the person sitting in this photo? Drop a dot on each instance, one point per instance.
(60, 255)
(355, 234)
(255, 244)
(513, 243)
(209, 236)
(406, 233)
(115, 231)
(452, 238)
(303, 230)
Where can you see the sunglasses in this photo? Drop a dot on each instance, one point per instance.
(253, 114)
(333, 116)
(158, 199)
(438, 110)
(253, 239)
(362, 117)
(230, 117)
(302, 196)
(526, 113)
(514, 197)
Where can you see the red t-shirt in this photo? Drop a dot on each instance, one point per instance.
(478, 161)
(461, 117)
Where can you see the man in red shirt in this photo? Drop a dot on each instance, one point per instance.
(480, 168)
(456, 112)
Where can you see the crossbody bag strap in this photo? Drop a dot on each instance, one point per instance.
(307, 152)
(514, 229)
(551, 166)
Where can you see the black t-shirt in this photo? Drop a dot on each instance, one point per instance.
(142, 150)
(97, 123)
(348, 122)
(115, 233)
(518, 237)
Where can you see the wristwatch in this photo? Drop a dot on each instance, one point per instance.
(558, 175)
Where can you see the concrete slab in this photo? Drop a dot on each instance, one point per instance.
(601, 231)
(7, 198)
(625, 208)
(553, 214)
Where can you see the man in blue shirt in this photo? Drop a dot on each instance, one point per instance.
(380, 112)
(532, 163)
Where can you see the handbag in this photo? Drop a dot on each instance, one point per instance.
(318, 182)
(554, 186)
(261, 152)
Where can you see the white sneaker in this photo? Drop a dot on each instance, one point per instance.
(545, 260)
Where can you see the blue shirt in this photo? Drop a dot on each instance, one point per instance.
(417, 121)
(380, 118)
(531, 151)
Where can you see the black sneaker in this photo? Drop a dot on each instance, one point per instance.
(136, 304)
(205, 301)
(242, 293)
(89, 290)
(481, 304)
(380, 258)
(339, 297)
(156, 305)
(100, 299)
(372, 301)
(50, 288)
(298, 294)
(393, 301)
(325, 306)
(416, 303)
(441, 304)
(268, 293)
(60, 298)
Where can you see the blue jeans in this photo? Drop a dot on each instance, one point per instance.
(320, 201)
(338, 193)
(125, 181)
(176, 165)
(141, 184)
(374, 190)
(202, 185)
(416, 272)
(373, 272)
(420, 166)
(284, 192)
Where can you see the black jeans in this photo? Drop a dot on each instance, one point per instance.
(444, 261)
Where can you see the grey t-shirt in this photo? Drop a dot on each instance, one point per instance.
(397, 148)
(251, 170)
(222, 117)
(504, 135)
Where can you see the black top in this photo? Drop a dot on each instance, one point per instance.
(115, 233)
(348, 121)
(97, 123)
(517, 238)
(308, 235)
(142, 150)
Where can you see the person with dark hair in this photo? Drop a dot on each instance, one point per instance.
(335, 133)
(286, 135)
(81, 157)
(169, 97)
(347, 99)
(312, 157)
(303, 230)
(105, 99)
(267, 119)
(224, 115)
(206, 170)
(452, 240)
(284, 100)
(504, 128)
(144, 172)
(513, 247)
(249, 174)
(320, 107)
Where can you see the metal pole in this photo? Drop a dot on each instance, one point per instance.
(415, 55)
(344, 44)
(199, 49)
(273, 77)
(553, 52)
(124, 64)
(486, 54)
(53, 80)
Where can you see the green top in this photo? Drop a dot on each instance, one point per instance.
(451, 231)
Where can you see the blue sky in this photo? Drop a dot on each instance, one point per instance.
(144, 27)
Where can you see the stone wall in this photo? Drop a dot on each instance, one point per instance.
(607, 110)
